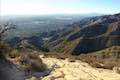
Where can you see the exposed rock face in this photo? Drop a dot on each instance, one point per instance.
(77, 71)
(10, 72)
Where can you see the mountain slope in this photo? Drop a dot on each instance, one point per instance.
(93, 33)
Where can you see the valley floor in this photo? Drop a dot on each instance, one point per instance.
(66, 70)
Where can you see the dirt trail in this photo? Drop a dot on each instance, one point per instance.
(77, 71)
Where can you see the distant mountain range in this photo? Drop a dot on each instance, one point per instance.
(83, 36)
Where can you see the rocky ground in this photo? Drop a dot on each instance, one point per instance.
(66, 70)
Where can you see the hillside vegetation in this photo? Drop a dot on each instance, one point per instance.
(94, 34)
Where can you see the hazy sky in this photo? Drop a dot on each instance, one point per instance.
(58, 6)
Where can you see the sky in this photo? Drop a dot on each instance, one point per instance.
(19, 7)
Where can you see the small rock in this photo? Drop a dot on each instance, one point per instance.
(70, 60)
(116, 69)
(42, 56)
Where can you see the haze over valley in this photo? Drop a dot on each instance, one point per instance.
(59, 40)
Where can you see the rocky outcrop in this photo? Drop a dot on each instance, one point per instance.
(77, 70)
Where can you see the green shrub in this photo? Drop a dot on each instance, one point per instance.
(32, 62)
(13, 54)
(4, 50)
(37, 65)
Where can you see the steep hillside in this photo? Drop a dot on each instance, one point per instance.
(88, 35)
(33, 42)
